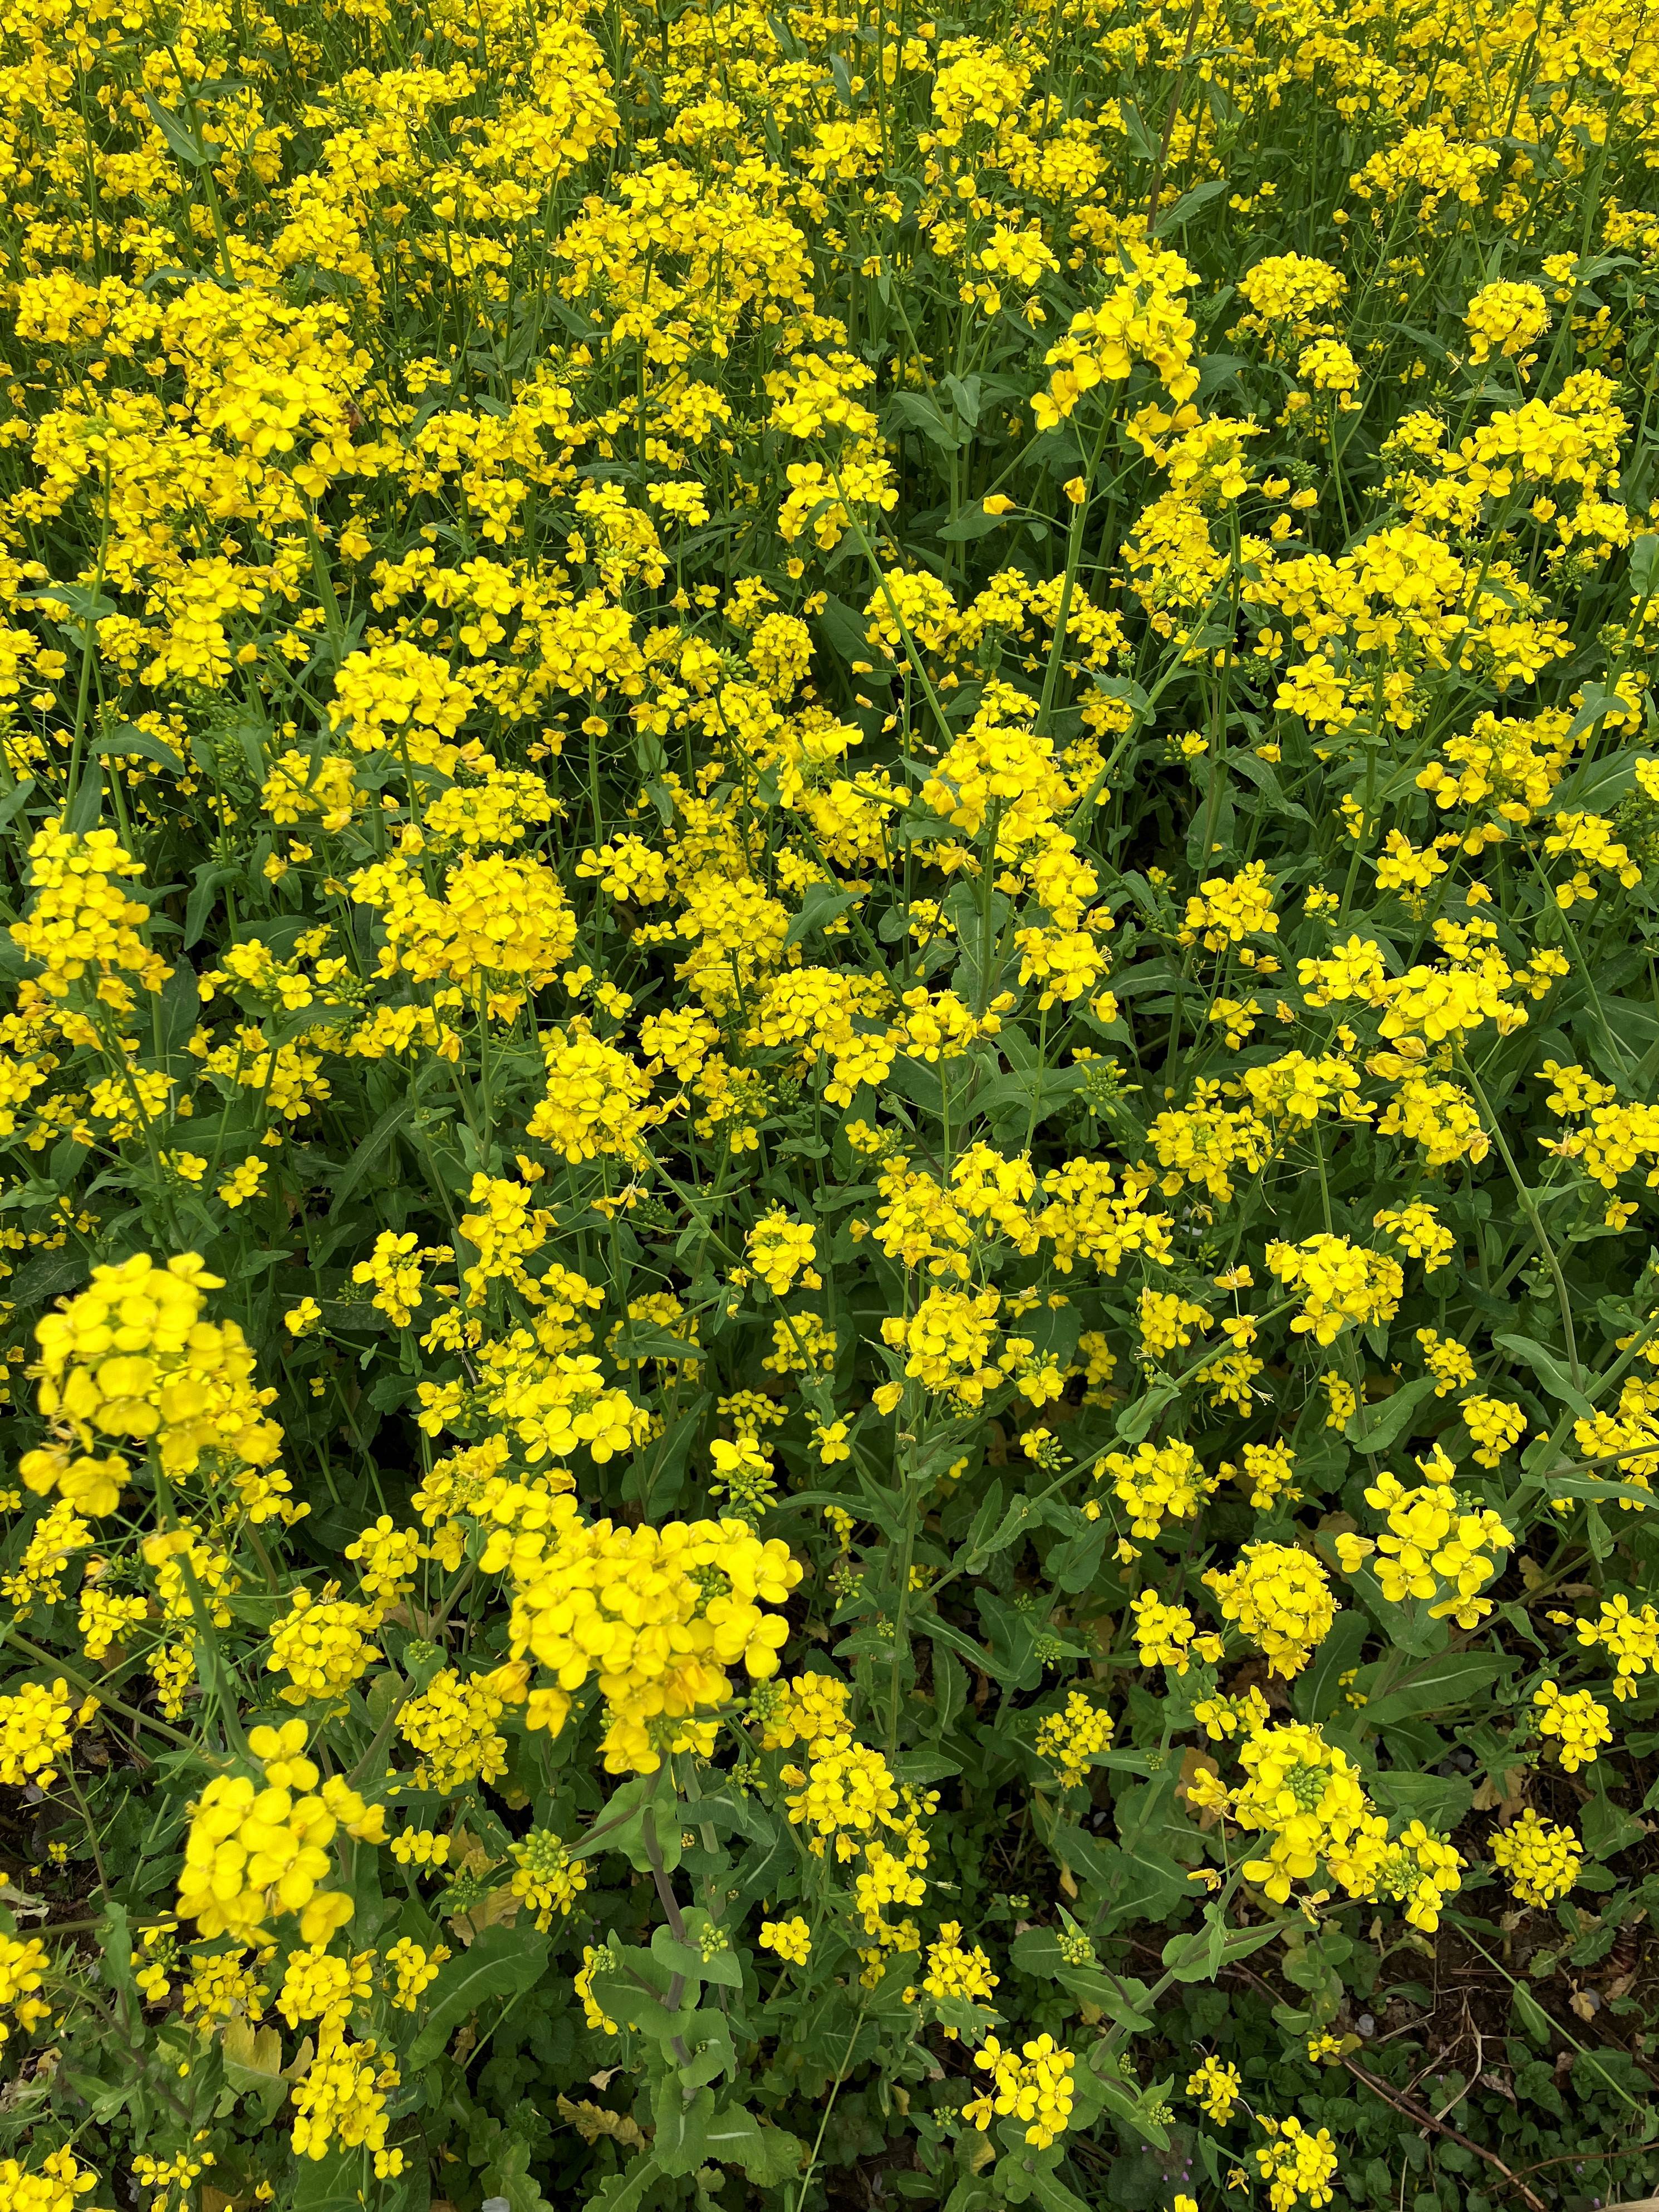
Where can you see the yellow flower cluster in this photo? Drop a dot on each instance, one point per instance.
(1341, 1284)
(23, 1963)
(38, 1723)
(657, 1617)
(1033, 2086)
(451, 1727)
(1573, 1721)
(342, 2100)
(81, 928)
(1304, 1798)
(321, 1645)
(1630, 1636)
(1540, 1858)
(956, 1969)
(1439, 1547)
(253, 1853)
(791, 1939)
(1280, 1598)
(1156, 1483)
(545, 1875)
(57, 2184)
(132, 1357)
(1069, 1739)
(1296, 2164)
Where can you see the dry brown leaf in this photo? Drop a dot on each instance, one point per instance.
(592, 2121)
(259, 2049)
(1504, 1792)
(498, 1908)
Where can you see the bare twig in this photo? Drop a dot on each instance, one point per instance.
(1413, 2111)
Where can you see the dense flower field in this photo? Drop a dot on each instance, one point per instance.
(828, 1048)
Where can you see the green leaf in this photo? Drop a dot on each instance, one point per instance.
(1014, 1102)
(1599, 699)
(770, 2156)
(1606, 1828)
(1189, 204)
(1376, 1428)
(1023, 1518)
(1187, 1956)
(326, 2185)
(686, 1960)
(1441, 1801)
(634, 1990)
(126, 740)
(1142, 141)
(503, 1963)
(368, 1152)
(1073, 1564)
(1317, 1692)
(1130, 2107)
(1445, 1685)
(209, 880)
(183, 144)
(974, 523)
(1546, 1367)
(47, 1277)
(639, 1340)
(1054, 2195)
(681, 2142)
(926, 415)
(946, 1632)
(1141, 1414)
(1531, 2015)
(949, 1687)
(624, 2191)
(824, 902)
(507, 2176)
(115, 1943)
(845, 631)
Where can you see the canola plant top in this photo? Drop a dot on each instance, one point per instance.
(828, 1071)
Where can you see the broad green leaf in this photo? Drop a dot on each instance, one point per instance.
(1547, 1366)
(1054, 2195)
(503, 1964)
(1439, 1800)
(1607, 1828)
(625, 2191)
(1377, 1428)
(333, 2183)
(768, 2155)
(1317, 1691)
(367, 1154)
(822, 903)
(183, 145)
(126, 740)
(1189, 204)
(1443, 1684)
(681, 2142)
(956, 1639)
(1141, 1416)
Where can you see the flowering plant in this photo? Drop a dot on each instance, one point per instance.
(830, 1106)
